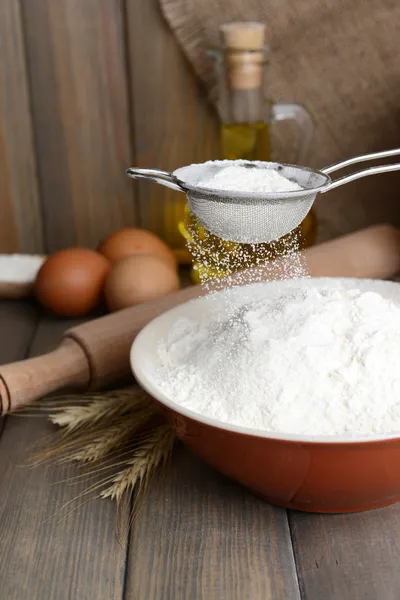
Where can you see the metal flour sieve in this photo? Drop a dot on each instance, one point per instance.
(252, 217)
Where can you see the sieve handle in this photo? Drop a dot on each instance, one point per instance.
(364, 172)
(162, 177)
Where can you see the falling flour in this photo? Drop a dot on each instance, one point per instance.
(216, 258)
(306, 360)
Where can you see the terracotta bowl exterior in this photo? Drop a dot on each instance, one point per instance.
(313, 474)
(314, 477)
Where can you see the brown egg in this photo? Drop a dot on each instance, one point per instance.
(70, 282)
(130, 241)
(137, 279)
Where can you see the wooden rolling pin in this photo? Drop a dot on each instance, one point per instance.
(96, 354)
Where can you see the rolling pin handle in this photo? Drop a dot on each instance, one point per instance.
(24, 381)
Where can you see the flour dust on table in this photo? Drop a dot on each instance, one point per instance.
(306, 360)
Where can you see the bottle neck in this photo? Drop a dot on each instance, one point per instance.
(241, 82)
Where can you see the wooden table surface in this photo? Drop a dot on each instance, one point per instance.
(199, 535)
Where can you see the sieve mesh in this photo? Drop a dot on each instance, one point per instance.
(250, 223)
(250, 217)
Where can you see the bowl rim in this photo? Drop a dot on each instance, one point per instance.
(160, 396)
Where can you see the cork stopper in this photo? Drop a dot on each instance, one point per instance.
(244, 50)
(243, 36)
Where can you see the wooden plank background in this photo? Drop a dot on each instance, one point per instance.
(77, 74)
(173, 123)
(86, 90)
(209, 538)
(43, 554)
(20, 211)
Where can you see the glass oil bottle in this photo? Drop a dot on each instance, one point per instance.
(246, 117)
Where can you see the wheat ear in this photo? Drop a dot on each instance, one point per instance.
(151, 454)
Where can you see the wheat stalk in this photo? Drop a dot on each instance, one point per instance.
(100, 408)
(150, 455)
(116, 436)
(92, 441)
(113, 438)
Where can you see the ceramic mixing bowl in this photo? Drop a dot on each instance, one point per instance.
(317, 474)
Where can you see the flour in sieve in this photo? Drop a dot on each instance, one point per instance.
(306, 361)
(238, 178)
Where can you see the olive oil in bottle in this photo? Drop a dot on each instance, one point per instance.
(249, 141)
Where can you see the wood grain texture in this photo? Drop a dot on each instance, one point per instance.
(42, 555)
(20, 217)
(351, 557)
(17, 326)
(172, 121)
(77, 73)
(201, 536)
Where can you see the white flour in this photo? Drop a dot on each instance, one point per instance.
(308, 361)
(19, 268)
(242, 179)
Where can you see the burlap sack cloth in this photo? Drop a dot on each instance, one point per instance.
(341, 60)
